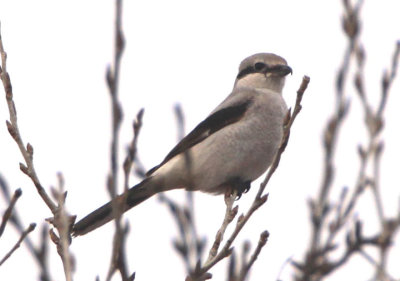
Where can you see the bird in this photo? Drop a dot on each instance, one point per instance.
(234, 145)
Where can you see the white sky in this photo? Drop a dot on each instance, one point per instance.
(186, 52)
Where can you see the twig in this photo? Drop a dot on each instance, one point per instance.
(371, 260)
(63, 223)
(314, 266)
(8, 212)
(286, 133)
(374, 122)
(238, 264)
(319, 207)
(131, 153)
(317, 262)
(261, 243)
(27, 152)
(388, 78)
(351, 27)
(180, 121)
(118, 255)
(112, 76)
(188, 245)
(12, 126)
(18, 244)
(230, 214)
(282, 268)
(40, 254)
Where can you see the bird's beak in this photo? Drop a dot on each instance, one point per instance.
(286, 70)
(278, 71)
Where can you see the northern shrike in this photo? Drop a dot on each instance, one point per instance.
(232, 147)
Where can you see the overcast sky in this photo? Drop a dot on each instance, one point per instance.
(183, 52)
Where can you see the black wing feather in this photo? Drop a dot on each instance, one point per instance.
(210, 125)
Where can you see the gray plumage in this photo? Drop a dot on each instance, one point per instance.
(232, 147)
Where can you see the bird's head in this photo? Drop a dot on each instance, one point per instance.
(263, 70)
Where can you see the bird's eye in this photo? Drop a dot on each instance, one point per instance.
(259, 66)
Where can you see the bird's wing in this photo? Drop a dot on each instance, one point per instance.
(213, 123)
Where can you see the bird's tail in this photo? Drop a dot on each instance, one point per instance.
(104, 214)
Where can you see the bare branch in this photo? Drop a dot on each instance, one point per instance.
(18, 244)
(388, 78)
(286, 133)
(8, 212)
(131, 153)
(318, 263)
(112, 77)
(188, 245)
(28, 168)
(230, 214)
(261, 243)
(63, 223)
(40, 254)
(12, 126)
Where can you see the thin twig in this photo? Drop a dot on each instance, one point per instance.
(112, 76)
(132, 149)
(8, 212)
(27, 152)
(374, 122)
(12, 126)
(315, 261)
(286, 133)
(318, 263)
(372, 261)
(319, 206)
(261, 243)
(18, 244)
(188, 245)
(40, 254)
(230, 214)
(63, 227)
(388, 78)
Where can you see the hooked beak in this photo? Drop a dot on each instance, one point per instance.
(278, 70)
(285, 70)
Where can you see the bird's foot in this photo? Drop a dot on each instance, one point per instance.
(239, 186)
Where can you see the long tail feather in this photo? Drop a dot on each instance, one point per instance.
(104, 214)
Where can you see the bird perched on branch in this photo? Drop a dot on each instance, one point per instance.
(232, 147)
